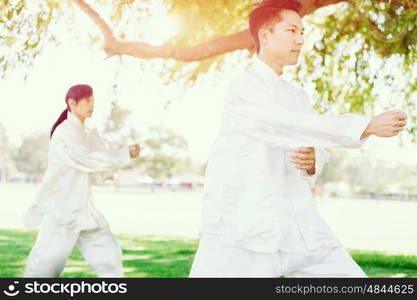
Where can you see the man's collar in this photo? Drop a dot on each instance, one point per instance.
(265, 71)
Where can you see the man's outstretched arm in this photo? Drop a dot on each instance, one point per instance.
(253, 111)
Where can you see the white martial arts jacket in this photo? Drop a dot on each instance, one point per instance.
(63, 202)
(254, 198)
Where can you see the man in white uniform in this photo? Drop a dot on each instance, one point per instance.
(259, 218)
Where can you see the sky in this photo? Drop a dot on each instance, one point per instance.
(32, 106)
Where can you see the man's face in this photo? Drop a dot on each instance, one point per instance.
(84, 108)
(282, 40)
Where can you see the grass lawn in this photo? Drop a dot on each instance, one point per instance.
(150, 256)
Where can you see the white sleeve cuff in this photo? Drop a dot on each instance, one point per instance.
(356, 129)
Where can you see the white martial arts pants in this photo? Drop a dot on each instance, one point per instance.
(52, 249)
(215, 260)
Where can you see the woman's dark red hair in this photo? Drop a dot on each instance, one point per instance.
(76, 92)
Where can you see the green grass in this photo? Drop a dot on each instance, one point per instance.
(143, 256)
(376, 264)
(150, 256)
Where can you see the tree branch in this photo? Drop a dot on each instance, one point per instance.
(98, 20)
(236, 41)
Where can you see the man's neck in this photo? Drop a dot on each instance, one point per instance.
(276, 66)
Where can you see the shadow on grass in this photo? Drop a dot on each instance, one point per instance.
(150, 256)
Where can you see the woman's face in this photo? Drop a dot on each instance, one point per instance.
(83, 108)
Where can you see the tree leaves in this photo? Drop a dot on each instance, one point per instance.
(23, 27)
(362, 61)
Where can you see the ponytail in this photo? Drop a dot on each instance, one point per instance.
(61, 119)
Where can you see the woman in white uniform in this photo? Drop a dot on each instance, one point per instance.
(63, 210)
